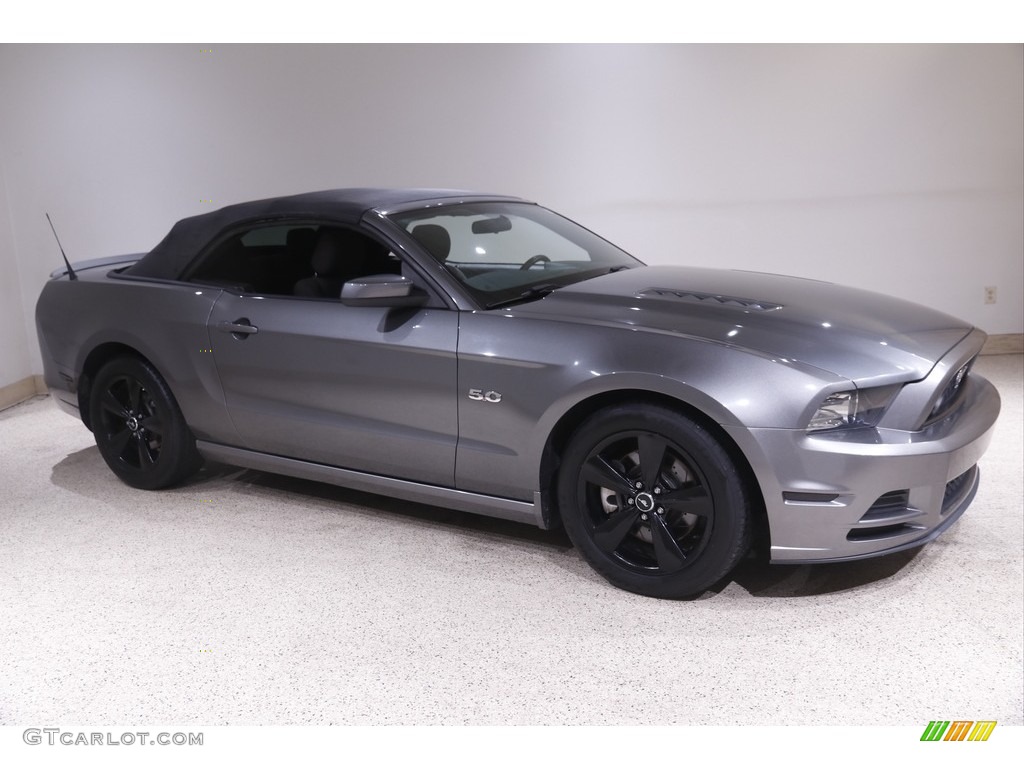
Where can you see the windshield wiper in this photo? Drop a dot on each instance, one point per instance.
(534, 292)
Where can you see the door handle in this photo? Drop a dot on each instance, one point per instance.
(240, 328)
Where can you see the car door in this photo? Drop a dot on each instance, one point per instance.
(368, 388)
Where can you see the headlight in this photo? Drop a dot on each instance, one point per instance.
(853, 408)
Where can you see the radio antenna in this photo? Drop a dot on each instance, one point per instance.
(71, 272)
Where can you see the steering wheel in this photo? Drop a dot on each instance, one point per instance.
(539, 258)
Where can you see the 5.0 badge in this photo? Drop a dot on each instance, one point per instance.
(488, 397)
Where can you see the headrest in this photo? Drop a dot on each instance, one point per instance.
(434, 238)
(300, 239)
(338, 250)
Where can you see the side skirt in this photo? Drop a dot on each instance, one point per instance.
(492, 506)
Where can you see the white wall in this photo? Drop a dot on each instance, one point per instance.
(895, 168)
(14, 350)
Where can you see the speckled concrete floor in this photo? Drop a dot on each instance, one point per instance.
(245, 598)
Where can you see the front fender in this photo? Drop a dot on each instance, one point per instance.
(546, 369)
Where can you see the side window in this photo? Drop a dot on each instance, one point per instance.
(295, 259)
(341, 254)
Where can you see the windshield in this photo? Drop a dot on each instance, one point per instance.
(507, 252)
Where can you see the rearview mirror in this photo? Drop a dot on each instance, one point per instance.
(492, 226)
(382, 291)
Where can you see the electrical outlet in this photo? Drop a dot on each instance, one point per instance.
(990, 294)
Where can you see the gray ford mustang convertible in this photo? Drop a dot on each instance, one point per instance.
(485, 354)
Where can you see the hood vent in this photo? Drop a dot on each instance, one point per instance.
(713, 299)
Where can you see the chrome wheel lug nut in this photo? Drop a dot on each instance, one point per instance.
(639, 485)
(643, 516)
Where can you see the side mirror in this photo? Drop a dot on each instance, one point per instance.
(382, 291)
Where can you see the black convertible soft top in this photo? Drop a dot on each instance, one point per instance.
(346, 206)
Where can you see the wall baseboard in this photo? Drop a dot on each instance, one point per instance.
(1004, 344)
(23, 390)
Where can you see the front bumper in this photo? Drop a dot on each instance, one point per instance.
(864, 493)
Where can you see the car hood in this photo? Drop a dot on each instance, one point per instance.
(852, 333)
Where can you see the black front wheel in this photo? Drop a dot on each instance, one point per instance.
(138, 426)
(653, 501)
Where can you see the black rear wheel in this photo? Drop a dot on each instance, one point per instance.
(653, 501)
(138, 426)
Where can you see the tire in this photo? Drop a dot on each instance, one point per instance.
(626, 463)
(138, 426)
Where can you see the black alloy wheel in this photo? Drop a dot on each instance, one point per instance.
(653, 501)
(138, 426)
